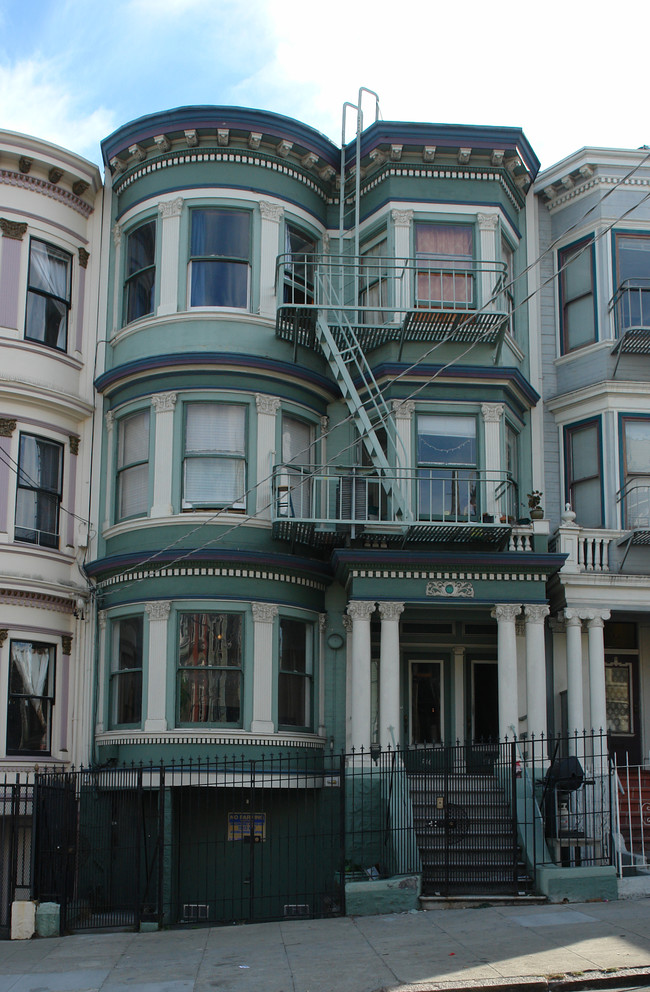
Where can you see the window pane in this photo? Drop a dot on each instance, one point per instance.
(48, 297)
(31, 682)
(141, 248)
(219, 284)
(133, 491)
(633, 257)
(579, 326)
(215, 481)
(577, 274)
(586, 503)
(209, 696)
(210, 639)
(585, 455)
(220, 232)
(447, 440)
(293, 645)
(126, 684)
(637, 446)
(215, 427)
(49, 270)
(133, 443)
(39, 491)
(210, 659)
(292, 701)
(46, 321)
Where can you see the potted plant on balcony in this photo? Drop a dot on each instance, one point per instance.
(534, 504)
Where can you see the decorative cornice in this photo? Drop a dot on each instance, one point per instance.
(228, 738)
(454, 589)
(55, 176)
(402, 218)
(73, 441)
(159, 610)
(25, 164)
(7, 427)
(392, 169)
(37, 185)
(38, 600)
(267, 404)
(492, 412)
(171, 208)
(12, 229)
(271, 211)
(507, 612)
(164, 402)
(83, 258)
(361, 609)
(270, 573)
(264, 612)
(390, 611)
(66, 644)
(557, 198)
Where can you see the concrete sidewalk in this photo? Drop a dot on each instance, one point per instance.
(591, 943)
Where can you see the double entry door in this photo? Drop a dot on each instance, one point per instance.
(435, 716)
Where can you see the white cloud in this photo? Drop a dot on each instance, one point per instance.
(37, 101)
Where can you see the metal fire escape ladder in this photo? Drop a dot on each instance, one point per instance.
(347, 362)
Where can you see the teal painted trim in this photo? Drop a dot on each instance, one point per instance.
(590, 240)
(483, 374)
(624, 418)
(568, 431)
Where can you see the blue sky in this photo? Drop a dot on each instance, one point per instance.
(72, 71)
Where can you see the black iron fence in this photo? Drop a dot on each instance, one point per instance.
(241, 839)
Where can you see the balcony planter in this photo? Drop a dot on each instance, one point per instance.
(537, 513)
(488, 518)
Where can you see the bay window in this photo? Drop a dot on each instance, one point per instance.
(444, 260)
(210, 656)
(31, 697)
(220, 245)
(48, 295)
(447, 476)
(38, 495)
(636, 460)
(577, 297)
(139, 285)
(214, 467)
(126, 672)
(583, 473)
(294, 686)
(133, 466)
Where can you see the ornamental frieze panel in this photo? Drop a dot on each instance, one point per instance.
(454, 589)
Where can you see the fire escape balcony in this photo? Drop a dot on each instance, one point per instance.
(631, 307)
(328, 505)
(391, 300)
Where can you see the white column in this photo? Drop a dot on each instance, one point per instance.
(163, 404)
(402, 220)
(389, 671)
(360, 612)
(156, 719)
(267, 409)
(492, 414)
(322, 628)
(403, 411)
(575, 708)
(264, 615)
(597, 700)
(109, 511)
(102, 674)
(117, 278)
(459, 692)
(272, 214)
(507, 651)
(170, 237)
(488, 225)
(536, 670)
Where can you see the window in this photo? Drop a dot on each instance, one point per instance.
(373, 282)
(299, 266)
(636, 455)
(220, 258)
(31, 697)
(294, 688)
(133, 466)
(633, 273)
(577, 295)
(126, 672)
(444, 254)
(210, 668)
(447, 468)
(38, 497)
(139, 285)
(48, 295)
(215, 466)
(296, 488)
(507, 257)
(583, 473)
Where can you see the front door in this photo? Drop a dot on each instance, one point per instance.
(621, 695)
(425, 709)
(485, 701)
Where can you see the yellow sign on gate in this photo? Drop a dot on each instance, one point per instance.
(247, 826)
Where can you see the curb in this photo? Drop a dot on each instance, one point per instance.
(588, 980)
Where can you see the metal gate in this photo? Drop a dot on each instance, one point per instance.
(465, 819)
(15, 847)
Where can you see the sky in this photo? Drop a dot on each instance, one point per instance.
(73, 71)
